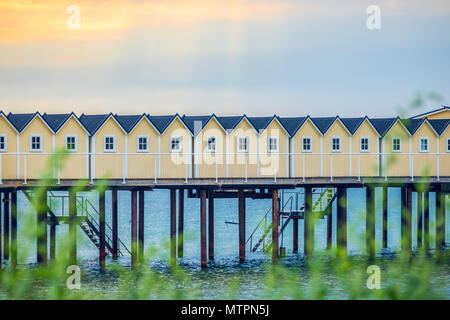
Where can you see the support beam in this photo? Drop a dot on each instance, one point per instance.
(115, 224)
(308, 221)
(370, 221)
(406, 225)
(419, 219)
(440, 221)
(1, 240)
(329, 231)
(72, 227)
(141, 224)
(6, 225)
(211, 226)
(275, 219)
(241, 207)
(173, 226)
(426, 221)
(341, 234)
(180, 222)
(101, 222)
(41, 228)
(13, 228)
(203, 228)
(384, 202)
(134, 246)
(295, 235)
(52, 241)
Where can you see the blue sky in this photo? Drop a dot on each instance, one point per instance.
(225, 57)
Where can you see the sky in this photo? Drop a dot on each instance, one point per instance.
(258, 57)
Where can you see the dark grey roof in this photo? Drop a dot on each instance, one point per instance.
(352, 124)
(161, 122)
(323, 123)
(190, 122)
(382, 125)
(260, 123)
(20, 121)
(439, 125)
(292, 125)
(55, 121)
(128, 122)
(93, 122)
(412, 124)
(230, 122)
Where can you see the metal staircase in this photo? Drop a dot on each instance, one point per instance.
(322, 203)
(88, 222)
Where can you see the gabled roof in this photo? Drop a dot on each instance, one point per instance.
(260, 123)
(292, 125)
(7, 120)
(93, 122)
(323, 123)
(439, 125)
(190, 122)
(352, 124)
(161, 122)
(383, 125)
(429, 113)
(20, 120)
(55, 121)
(230, 122)
(412, 124)
(128, 122)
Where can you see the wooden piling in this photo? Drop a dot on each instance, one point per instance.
(384, 202)
(180, 222)
(211, 225)
(72, 227)
(341, 230)
(426, 221)
(329, 231)
(203, 228)
(115, 225)
(295, 235)
(41, 229)
(1, 240)
(52, 241)
(141, 224)
(440, 221)
(13, 228)
(370, 221)
(101, 222)
(134, 217)
(275, 219)
(308, 220)
(173, 226)
(6, 225)
(241, 207)
(419, 219)
(406, 225)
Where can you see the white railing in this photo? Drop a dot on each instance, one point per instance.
(268, 164)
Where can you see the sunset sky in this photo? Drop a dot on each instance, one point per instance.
(257, 57)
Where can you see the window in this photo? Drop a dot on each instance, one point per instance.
(396, 145)
(3, 143)
(448, 145)
(175, 144)
(110, 144)
(364, 144)
(273, 144)
(211, 144)
(336, 144)
(243, 144)
(71, 143)
(424, 145)
(36, 143)
(306, 144)
(142, 144)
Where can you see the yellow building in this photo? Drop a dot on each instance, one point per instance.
(9, 142)
(175, 147)
(442, 128)
(441, 113)
(73, 138)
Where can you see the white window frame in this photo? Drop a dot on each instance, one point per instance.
(310, 144)
(420, 144)
(277, 144)
(76, 143)
(239, 143)
(40, 142)
(5, 137)
(448, 144)
(179, 143)
(114, 143)
(208, 149)
(360, 144)
(400, 144)
(340, 144)
(146, 143)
